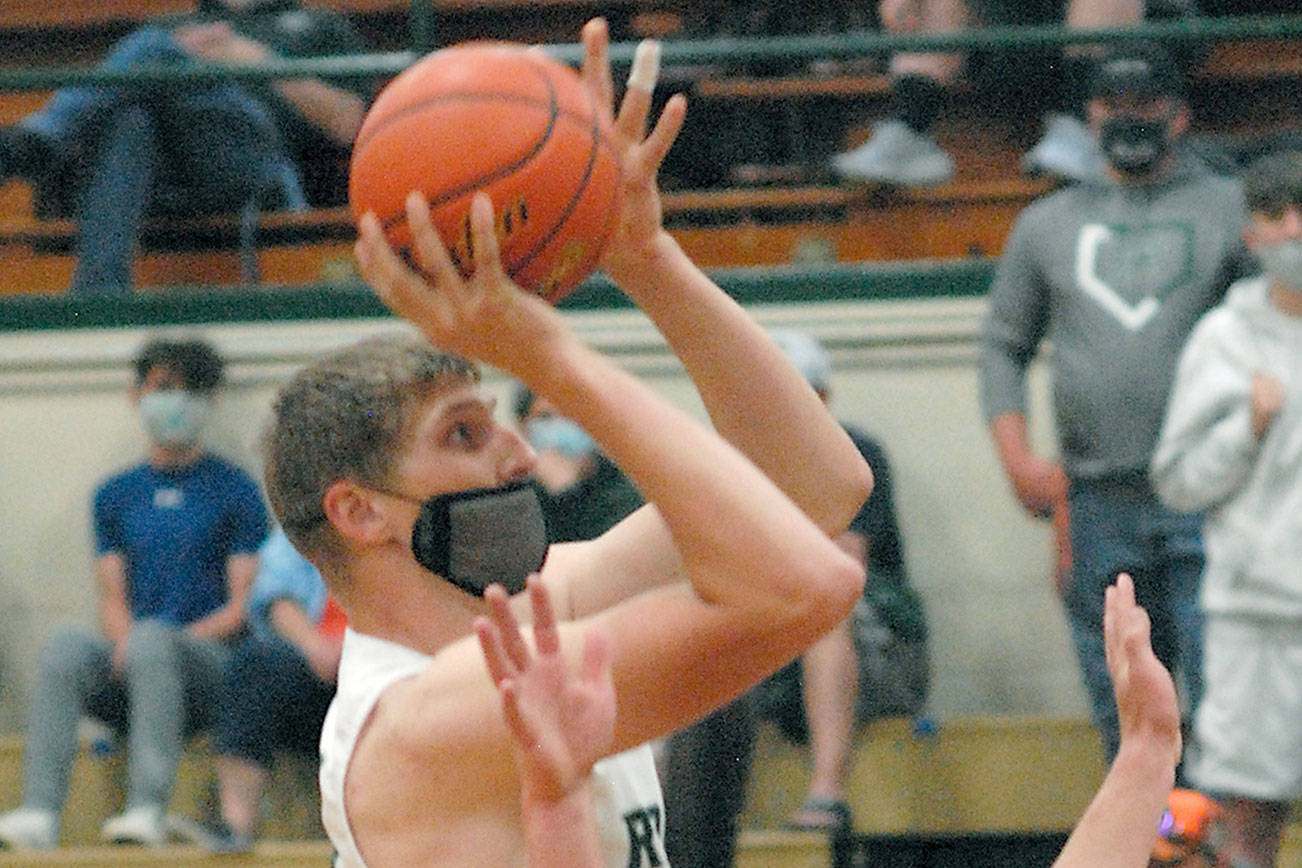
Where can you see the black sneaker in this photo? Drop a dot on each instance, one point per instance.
(25, 153)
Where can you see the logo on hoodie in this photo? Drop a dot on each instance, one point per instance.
(1128, 269)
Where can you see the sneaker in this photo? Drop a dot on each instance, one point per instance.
(1068, 150)
(143, 825)
(216, 837)
(896, 154)
(25, 153)
(29, 829)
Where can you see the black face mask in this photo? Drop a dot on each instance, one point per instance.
(1133, 145)
(483, 536)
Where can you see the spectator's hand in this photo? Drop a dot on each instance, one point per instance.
(1040, 485)
(561, 722)
(218, 42)
(485, 316)
(899, 16)
(639, 154)
(1062, 575)
(1145, 693)
(118, 658)
(1267, 398)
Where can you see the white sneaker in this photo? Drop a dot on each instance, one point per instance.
(896, 154)
(1068, 150)
(29, 829)
(144, 825)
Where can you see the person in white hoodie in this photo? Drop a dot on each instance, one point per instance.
(1231, 444)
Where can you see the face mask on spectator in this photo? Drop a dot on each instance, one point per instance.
(1134, 145)
(559, 434)
(174, 417)
(1282, 261)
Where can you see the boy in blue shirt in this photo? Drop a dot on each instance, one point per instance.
(176, 541)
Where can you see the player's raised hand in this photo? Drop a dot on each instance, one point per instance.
(485, 316)
(640, 154)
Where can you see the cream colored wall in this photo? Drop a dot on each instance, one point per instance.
(904, 371)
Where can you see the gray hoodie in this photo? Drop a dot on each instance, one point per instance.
(1208, 459)
(1114, 276)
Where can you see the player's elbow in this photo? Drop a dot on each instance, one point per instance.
(833, 584)
(849, 495)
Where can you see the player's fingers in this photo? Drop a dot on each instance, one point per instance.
(596, 63)
(545, 636)
(488, 262)
(515, 719)
(431, 253)
(499, 608)
(381, 268)
(490, 642)
(636, 105)
(657, 145)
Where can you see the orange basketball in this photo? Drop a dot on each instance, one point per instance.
(513, 123)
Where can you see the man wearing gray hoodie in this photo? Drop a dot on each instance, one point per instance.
(1232, 445)
(1114, 273)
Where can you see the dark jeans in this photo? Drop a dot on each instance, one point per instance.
(197, 149)
(706, 767)
(270, 701)
(1118, 525)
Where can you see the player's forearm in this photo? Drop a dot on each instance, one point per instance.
(218, 624)
(1120, 824)
(741, 540)
(755, 399)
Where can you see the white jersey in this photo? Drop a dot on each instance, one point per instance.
(626, 789)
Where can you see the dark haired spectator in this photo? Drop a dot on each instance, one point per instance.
(176, 539)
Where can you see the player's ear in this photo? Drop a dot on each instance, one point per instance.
(351, 508)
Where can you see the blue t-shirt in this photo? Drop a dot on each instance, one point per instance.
(283, 574)
(175, 529)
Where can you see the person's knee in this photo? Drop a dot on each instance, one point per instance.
(66, 653)
(152, 644)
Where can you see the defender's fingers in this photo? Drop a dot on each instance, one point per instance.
(516, 721)
(636, 105)
(499, 607)
(431, 252)
(545, 635)
(596, 63)
(490, 642)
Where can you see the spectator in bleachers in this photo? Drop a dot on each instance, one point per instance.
(1116, 272)
(903, 149)
(277, 688)
(1232, 445)
(176, 539)
(109, 155)
(581, 491)
(816, 700)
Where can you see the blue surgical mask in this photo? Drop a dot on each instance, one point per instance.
(559, 434)
(1282, 262)
(174, 417)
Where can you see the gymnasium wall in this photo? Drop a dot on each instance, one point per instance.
(903, 370)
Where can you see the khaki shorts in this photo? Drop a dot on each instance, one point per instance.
(1248, 727)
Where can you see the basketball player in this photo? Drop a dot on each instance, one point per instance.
(387, 468)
